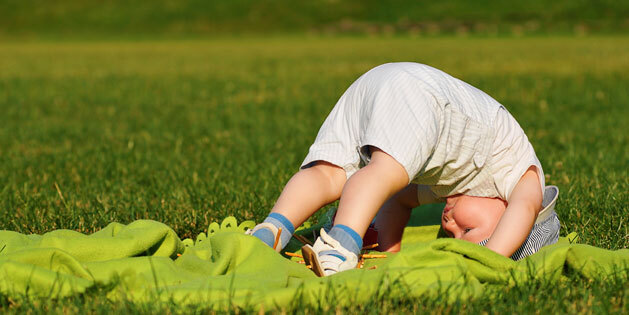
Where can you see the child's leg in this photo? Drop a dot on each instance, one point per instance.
(367, 190)
(363, 194)
(305, 193)
(309, 190)
(393, 217)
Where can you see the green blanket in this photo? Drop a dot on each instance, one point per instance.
(145, 260)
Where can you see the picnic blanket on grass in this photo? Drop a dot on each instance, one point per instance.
(145, 260)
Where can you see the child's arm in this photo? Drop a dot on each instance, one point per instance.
(394, 214)
(393, 217)
(515, 224)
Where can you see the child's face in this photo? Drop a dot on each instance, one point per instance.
(471, 218)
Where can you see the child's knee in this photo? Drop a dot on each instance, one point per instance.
(333, 173)
(393, 169)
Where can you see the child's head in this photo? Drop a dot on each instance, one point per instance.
(471, 218)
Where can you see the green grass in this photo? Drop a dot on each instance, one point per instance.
(188, 132)
(572, 295)
(167, 18)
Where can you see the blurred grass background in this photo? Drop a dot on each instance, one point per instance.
(188, 132)
(189, 111)
(193, 18)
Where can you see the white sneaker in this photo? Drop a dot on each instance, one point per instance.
(265, 225)
(325, 265)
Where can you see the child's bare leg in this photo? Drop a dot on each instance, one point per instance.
(367, 190)
(309, 190)
(305, 193)
(393, 217)
(362, 196)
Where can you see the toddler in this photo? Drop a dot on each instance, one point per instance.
(406, 134)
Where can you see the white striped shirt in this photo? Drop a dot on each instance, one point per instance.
(446, 133)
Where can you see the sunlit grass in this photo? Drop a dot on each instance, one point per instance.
(188, 132)
(570, 295)
(282, 58)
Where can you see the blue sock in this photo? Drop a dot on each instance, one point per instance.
(347, 237)
(279, 221)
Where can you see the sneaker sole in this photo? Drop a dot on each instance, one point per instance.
(310, 258)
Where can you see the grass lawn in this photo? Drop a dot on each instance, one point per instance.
(188, 132)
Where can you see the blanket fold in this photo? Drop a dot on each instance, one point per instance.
(145, 260)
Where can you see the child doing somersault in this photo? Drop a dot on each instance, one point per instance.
(406, 134)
